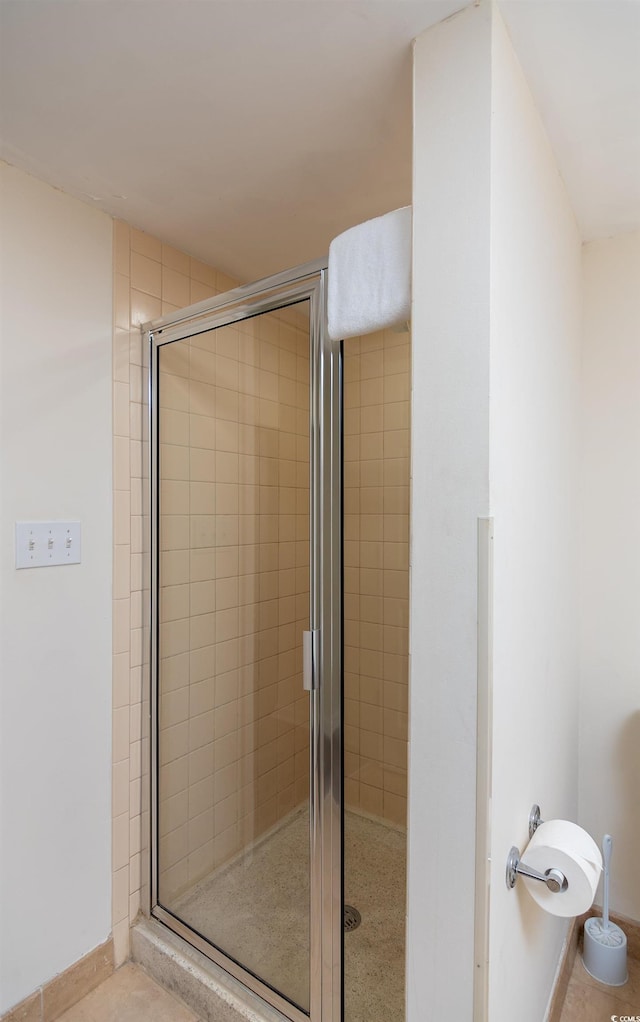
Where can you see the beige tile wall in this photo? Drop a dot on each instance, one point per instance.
(234, 583)
(266, 772)
(376, 535)
(150, 279)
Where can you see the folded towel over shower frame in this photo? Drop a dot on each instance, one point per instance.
(369, 279)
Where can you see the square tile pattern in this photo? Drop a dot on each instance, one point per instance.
(150, 279)
(234, 575)
(376, 572)
(234, 589)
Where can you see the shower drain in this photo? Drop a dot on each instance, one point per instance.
(352, 918)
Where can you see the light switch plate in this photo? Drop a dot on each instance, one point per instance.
(43, 544)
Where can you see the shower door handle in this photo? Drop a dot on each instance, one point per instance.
(310, 658)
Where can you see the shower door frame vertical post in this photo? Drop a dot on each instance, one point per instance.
(326, 768)
(328, 773)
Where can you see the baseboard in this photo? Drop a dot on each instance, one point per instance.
(565, 969)
(63, 991)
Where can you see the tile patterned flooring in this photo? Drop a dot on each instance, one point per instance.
(590, 1001)
(129, 995)
(250, 912)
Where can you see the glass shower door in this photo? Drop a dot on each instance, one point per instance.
(237, 852)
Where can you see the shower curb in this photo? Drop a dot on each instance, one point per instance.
(204, 987)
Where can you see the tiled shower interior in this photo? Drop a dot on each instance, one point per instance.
(234, 597)
(376, 573)
(234, 590)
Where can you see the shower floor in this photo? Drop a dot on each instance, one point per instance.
(257, 910)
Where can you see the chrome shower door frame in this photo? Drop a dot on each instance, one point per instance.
(306, 282)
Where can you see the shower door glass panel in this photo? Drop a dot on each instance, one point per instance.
(233, 849)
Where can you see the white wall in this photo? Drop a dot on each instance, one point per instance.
(450, 437)
(535, 373)
(55, 652)
(496, 360)
(610, 562)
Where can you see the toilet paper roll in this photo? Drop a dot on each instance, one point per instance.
(565, 846)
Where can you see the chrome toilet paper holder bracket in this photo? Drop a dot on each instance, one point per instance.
(555, 879)
(534, 819)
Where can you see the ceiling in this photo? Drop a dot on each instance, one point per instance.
(251, 132)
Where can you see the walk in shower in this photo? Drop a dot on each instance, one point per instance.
(279, 509)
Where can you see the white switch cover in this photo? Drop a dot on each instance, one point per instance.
(40, 544)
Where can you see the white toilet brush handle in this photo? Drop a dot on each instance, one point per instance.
(606, 855)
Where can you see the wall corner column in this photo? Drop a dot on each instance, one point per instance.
(450, 491)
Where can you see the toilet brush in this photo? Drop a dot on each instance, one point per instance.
(604, 954)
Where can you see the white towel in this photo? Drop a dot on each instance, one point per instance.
(369, 285)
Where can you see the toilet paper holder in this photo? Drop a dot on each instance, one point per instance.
(555, 879)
